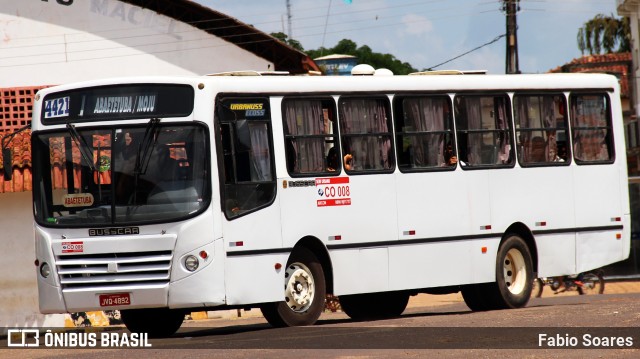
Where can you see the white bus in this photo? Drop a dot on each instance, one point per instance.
(160, 195)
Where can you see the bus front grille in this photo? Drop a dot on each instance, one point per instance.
(114, 269)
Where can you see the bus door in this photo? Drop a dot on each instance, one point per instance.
(248, 192)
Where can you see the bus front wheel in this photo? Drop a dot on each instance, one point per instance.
(304, 292)
(157, 322)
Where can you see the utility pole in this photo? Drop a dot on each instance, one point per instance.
(289, 19)
(511, 7)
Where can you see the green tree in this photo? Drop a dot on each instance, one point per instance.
(291, 42)
(365, 55)
(604, 34)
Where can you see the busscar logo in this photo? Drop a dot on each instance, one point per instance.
(116, 231)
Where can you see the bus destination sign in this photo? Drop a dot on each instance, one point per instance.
(125, 104)
(118, 102)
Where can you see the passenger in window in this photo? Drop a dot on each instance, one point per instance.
(553, 154)
(124, 167)
(348, 162)
(332, 160)
(562, 152)
(232, 207)
(536, 154)
(450, 159)
(604, 151)
(592, 147)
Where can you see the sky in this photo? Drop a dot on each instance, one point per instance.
(428, 32)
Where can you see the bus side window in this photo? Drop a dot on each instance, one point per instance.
(310, 134)
(541, 125)
(484, 130)
(424, 133)
(366, 137)
(592, 129)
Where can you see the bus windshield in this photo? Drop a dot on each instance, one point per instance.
(120, 176)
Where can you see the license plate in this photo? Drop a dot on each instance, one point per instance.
(109, 300)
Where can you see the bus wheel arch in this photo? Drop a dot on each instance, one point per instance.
(320, 251)
(525, 233)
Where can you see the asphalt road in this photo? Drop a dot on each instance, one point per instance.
(547, 327)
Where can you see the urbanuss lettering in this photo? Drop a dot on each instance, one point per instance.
(121, 231)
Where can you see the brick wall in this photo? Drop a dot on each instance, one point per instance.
(16, 107)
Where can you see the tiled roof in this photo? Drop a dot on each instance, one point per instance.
(16, 106)
(618, 64)
(283, 56)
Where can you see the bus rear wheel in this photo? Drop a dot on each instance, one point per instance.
(514, 279)
(374, 305)
(304, 292)
(157, 322)
(514, 273)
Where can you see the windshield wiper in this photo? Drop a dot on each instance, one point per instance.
(147, 146)
(85, 151)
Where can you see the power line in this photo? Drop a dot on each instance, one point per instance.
(468, 52)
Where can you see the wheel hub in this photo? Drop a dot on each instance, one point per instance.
(299, 287)
(515, 271)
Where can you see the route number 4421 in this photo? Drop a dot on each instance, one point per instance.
(58, 107)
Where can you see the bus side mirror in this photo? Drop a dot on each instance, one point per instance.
(6, 163)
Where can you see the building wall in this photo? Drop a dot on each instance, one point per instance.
(56, 42)
(19, 294)
(631, 9)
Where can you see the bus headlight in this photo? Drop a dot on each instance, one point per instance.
(191, 263)
(45, 270)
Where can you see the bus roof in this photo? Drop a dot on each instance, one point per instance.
(356, 84)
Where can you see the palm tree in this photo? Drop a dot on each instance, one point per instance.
(605, 33)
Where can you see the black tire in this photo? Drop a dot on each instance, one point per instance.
(514, 273)
(592, 283)
(538, 287)
(514, 279)
(304, 298)
(478, 297)
(157, 322)
(374, 305)
(357, 307)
